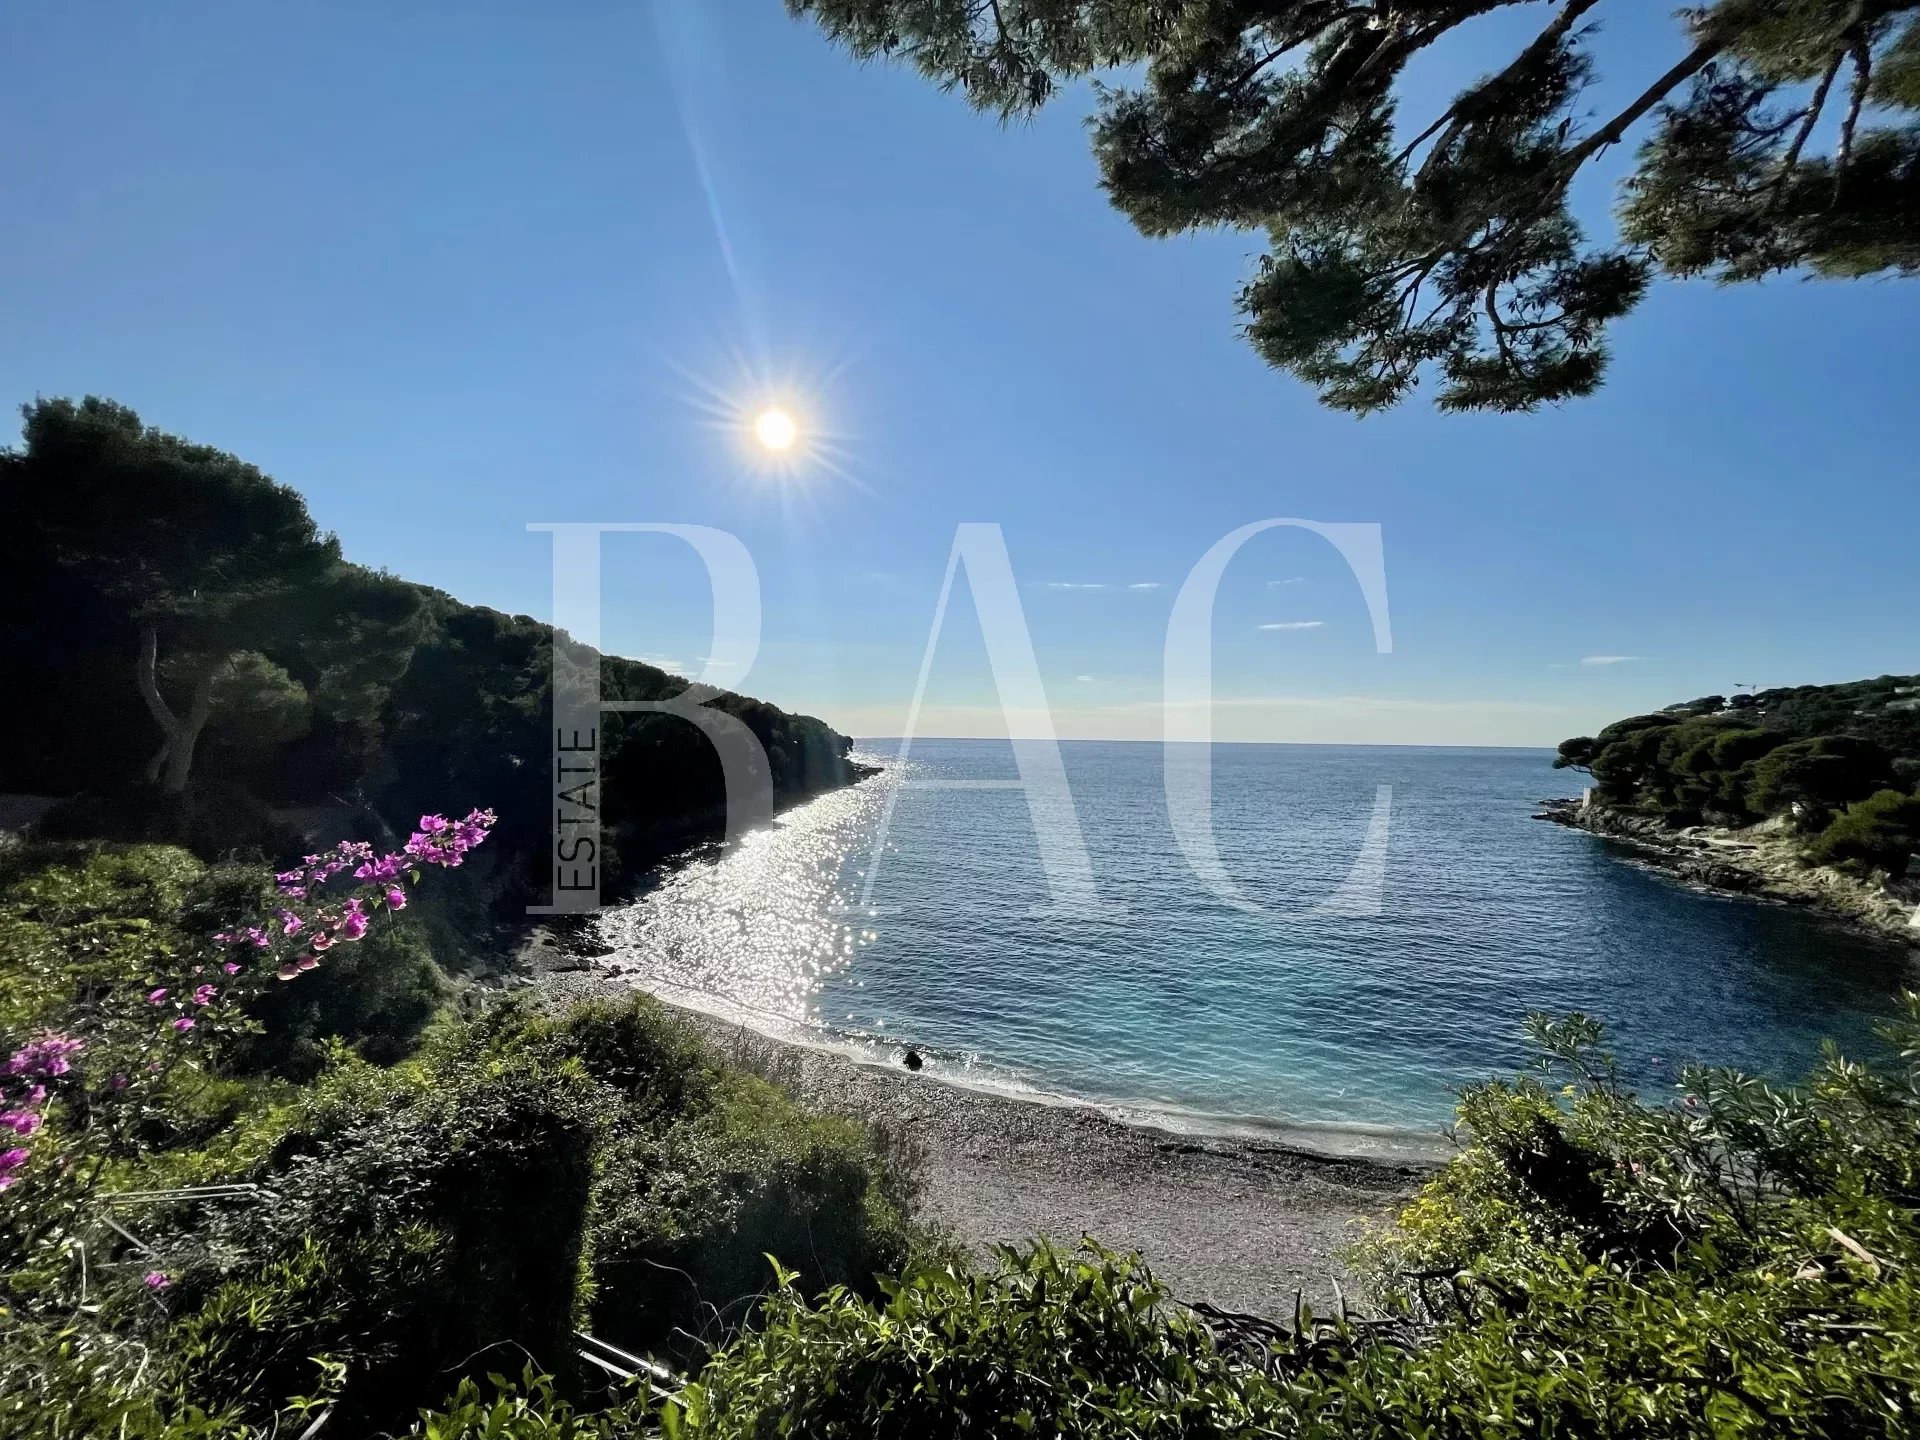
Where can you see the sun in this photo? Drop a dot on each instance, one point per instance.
(775, 429)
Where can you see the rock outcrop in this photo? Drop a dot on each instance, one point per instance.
(1761, 860)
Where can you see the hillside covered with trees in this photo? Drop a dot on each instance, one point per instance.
(1837, 765)
(185, 651)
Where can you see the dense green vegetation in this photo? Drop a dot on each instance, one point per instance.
(1735, 1260)
(185, 649)
(1838, 763)
(514, 1176)
(1729, 1260)
(1409, 237)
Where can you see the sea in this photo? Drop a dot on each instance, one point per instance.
(1353, 934)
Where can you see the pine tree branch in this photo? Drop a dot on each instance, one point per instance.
(1474, 101)
(1791, 160)
(1862, 78)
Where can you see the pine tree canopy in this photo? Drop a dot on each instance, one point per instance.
(1777, 135)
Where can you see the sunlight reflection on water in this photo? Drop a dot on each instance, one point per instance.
(1180, 1004)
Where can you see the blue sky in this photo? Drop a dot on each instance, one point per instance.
(453, 268)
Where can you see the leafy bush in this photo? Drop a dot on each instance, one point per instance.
(77, 918)
(1739, 1262)
(376, 997)
(1045, 1343)
(404, 1241)
(1879, 833)
(524, 1174)
(688, 1214)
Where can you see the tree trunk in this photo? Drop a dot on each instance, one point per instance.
(186, 735)
(172, 764)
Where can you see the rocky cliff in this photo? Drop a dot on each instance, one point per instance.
(1763, 861)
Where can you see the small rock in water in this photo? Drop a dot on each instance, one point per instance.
(912, 1060)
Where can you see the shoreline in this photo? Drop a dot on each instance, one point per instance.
(1233, 1220)
(1755, 863)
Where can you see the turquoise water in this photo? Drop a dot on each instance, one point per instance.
(1168, 999)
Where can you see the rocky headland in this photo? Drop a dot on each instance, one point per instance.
(1763, 861)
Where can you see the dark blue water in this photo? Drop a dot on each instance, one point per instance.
(1162, 995)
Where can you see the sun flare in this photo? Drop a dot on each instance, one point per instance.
(775, 429)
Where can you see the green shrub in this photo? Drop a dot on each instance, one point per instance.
(1044, 1343)
(376, 996)
(525, 1173)
(1739, 1262)
(406, 1237)
(687, 1216)
(1879, 833)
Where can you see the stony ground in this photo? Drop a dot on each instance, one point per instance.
(1239, 1223)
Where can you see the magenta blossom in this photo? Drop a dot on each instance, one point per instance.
(22, 1122)
(231, 968)
(48, 1055)
(204, 995)
(396, 899)
(156, 1280)
(184, 1024)
(157, 997)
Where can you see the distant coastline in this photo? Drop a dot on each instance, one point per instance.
(1759, 862)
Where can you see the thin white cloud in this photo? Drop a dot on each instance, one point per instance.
(1084, 679)
(1293, 625)
(1607, 659)
(1077, 585)
(1290, 580)
(1145, 585)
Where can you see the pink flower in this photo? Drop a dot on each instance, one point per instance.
(322, 941)
(119, 1082)
(157, 997)
(184, 1024)
(396, 899)
(290, 923)
(231, 968)
(204, 995)
(156, 1280)
(307, 962)
(46, 1055)
(12, 1159)
(22, 1122)
(287, 971)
